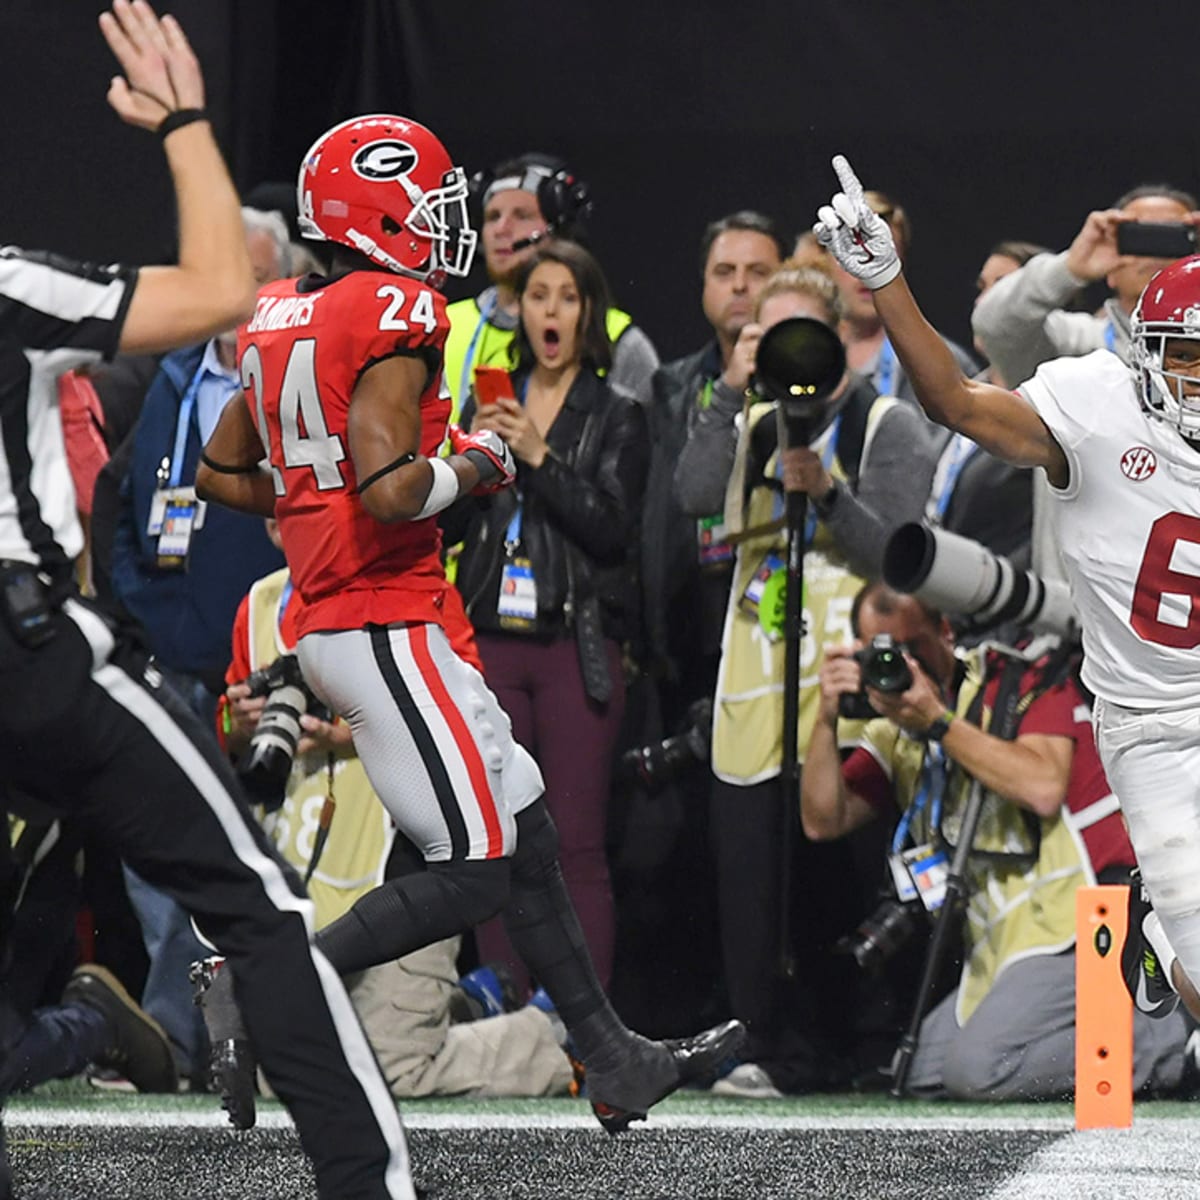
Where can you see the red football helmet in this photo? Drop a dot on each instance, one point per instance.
(385, 186)
(1168, 308)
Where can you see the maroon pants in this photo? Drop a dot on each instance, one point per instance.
(572, 737)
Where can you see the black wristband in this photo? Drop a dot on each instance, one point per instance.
(939, 728)
(178, 119)
(824, 506)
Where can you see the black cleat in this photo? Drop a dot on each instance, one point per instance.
(1144, 974)
(139, 1048)
(231, 1058)
(656, 1069)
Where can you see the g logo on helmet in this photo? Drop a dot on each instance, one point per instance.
(384, 159)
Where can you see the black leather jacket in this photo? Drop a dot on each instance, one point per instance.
(579, 524)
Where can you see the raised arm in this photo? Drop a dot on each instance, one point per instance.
(211, 288)
(828, 807)
(1000, 421)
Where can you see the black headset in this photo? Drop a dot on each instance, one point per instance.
(564, 199)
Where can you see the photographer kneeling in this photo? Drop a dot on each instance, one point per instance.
(1049, 825)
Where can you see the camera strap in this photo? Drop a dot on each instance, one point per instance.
(1008, 708)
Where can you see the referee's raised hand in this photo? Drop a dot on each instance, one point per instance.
(162, 74)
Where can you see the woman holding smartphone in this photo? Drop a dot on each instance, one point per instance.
(546, 568)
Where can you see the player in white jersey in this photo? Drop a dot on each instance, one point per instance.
(1121, 451)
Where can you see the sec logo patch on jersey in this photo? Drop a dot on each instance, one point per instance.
(1138, 463)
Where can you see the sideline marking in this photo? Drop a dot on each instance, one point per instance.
(42, 1118)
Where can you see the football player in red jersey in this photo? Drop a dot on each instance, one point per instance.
(1121, 451)
(344, 396)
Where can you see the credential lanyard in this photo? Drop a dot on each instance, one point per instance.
(1110, 336)
(512, 535)
(954, 458)
(885, 369)
(186, 407)
(931, 791)
(464, 382)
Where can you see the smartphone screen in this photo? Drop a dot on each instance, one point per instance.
(491, 383)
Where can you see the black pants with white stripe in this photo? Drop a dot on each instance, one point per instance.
(86, 730)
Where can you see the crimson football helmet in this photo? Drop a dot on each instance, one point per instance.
(385, 186)
(1168, 308)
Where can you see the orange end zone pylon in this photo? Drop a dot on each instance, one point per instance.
(1103, 1011)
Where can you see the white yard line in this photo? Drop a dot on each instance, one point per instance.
(1155, 1160)
(35, 1117)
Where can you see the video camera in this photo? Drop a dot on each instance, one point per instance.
(882, 664)
(265, 768)
(958, 575)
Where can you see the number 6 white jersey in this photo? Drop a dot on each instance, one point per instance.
(1128, 529)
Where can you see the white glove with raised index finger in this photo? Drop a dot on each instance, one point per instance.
(855, 235)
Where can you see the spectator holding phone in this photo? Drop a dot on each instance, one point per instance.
(1022, 321)
(523, 202)
(546, 567)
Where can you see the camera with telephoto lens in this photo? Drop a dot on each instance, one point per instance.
(958, 575)
(660, 763)
(882, 664)
(265, 767)
(883, 933)
(799, 363)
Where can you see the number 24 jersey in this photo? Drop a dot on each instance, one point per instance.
(1128, 528)
(301, 355)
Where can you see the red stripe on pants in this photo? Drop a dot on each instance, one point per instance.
(419, 641)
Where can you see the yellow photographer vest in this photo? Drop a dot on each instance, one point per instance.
(1014, 910)
(747, 742)
(361, 834)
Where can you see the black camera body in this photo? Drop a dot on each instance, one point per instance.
(265, 768)
(885, 932)
(883, 666)
(660, 763)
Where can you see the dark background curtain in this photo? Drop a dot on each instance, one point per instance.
(986, 122)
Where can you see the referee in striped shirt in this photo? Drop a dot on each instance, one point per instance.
(87, 731)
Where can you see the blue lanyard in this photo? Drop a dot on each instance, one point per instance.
(1110, 336)
(285, 598)
(885, 369)
(464, 381)
(512, 535)
(810, 524)
(933, 787)
(960, 449)
(186, 406)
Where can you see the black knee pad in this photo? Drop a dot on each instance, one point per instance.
(412, 911)
(537, 843)
(474, 891)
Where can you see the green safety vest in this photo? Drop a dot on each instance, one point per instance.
(490, 345)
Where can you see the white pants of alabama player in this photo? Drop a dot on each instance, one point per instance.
(1152, 759)
(435, 743)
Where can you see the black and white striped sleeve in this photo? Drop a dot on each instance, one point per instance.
(48, 302)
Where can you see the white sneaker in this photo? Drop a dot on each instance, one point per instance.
(748, 1081)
